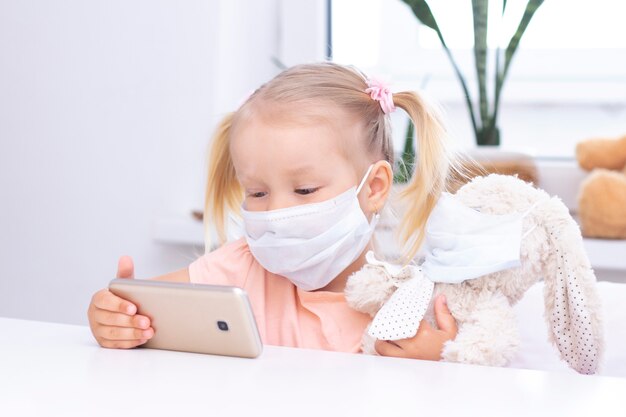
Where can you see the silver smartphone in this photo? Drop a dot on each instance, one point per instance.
(196, 318)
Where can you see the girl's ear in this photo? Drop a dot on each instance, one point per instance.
(379, 185)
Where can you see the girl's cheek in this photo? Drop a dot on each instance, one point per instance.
(252, 204)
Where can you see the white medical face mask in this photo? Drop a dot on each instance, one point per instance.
(462, 243)
(312, 243)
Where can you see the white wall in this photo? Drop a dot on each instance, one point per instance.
(106, 108)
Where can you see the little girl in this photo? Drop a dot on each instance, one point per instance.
(306, 162)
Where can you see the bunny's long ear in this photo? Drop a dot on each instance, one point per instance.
(571, 299)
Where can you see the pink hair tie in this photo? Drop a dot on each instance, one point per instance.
(379, 91)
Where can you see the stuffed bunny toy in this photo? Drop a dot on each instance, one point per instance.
(484, 247)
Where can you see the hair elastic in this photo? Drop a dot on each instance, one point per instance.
(379, 91)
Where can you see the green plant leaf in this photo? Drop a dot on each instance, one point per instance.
(278, 63)
(498, 86)
(480, 14)
(531, 8)
(529, 12)
(422, 11)
(404, 169)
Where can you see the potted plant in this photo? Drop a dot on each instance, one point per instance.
(483, 111)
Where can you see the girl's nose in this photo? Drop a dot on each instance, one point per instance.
(276, 202)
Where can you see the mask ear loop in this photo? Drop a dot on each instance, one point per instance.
(529, 231)
(376, 215)
(367, 174)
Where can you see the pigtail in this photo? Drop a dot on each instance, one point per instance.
(430, 175)
(223, 191)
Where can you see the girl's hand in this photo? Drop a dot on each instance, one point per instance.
(428, 342)
(114, 321)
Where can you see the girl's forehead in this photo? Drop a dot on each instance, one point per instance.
(327, 129)
(258, 136)
(294, 144)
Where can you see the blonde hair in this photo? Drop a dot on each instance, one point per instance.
(307, 90)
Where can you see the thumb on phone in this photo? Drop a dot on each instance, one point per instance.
(125, 267)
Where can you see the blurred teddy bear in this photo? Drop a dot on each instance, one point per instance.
(602, 195)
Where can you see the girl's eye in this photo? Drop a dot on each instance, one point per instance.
(257, 194)
(305, 191)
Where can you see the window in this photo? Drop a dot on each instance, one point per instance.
(571, 64)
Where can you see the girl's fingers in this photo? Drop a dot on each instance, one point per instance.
(425, 344)
(114, 333)
(387, 348)
(125, 267)
(121, 344)
(109, 318)
(106, 300)
(445, 320)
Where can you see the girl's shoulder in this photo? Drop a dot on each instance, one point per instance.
(230, 264)
(238, 247)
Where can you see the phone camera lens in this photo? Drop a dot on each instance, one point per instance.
(222, 325)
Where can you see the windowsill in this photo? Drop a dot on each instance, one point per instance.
(178, 230)
(603, 253)
(558, 176)
(561, 177)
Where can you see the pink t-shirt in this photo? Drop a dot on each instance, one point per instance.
(285, 315)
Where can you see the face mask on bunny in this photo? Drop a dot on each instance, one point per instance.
(484, 263)
(310, 244)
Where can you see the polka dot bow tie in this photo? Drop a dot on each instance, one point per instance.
(400, 316)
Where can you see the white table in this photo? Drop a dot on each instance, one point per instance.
(58, 370)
